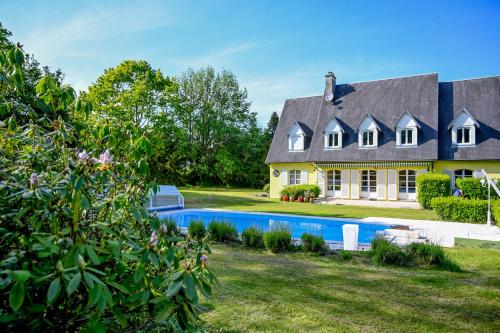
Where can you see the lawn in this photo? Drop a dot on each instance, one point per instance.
(245, 199)
(264, 292)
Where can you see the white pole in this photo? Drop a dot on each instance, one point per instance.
(488, 218)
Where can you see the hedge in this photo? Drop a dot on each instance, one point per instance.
(495, 210)
(472, 189)
(432, 185)
(460, 209)
(303, 190)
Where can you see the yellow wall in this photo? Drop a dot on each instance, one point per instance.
(491, 167)
(275, 182)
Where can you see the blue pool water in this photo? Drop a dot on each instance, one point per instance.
(330, 229)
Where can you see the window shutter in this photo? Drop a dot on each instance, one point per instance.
(344, 183)
(398, 137)
(354, 184)
(392, 181)
(303, 177)
(284, 177)
(321, 182)
(381, 187)
(415, 136)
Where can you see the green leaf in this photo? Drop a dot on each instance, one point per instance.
(16, 296)
(174, 288)
(178, 275)
(190, 288)
(74, 283)
(95, 294)
(22, 276)
(88, 279)
(92, 255)
(138, 274)
(118, 286)
(165, 313)
(54, 290)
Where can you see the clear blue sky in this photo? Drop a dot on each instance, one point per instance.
(277, 49)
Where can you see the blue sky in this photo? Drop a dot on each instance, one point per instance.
(277, 49)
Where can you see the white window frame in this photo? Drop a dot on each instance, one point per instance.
(405, 175)
(369, 181)
(362, 138)
(461, 173)
(333, 145)
(413, 131)
(301, 140)
(461, 134)
(294, 177)
(334, 183)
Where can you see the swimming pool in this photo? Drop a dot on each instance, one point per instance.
(330, 229)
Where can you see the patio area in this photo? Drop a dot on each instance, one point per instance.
(371, 203)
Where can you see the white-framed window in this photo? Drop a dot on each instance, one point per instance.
(333, 134)
(296, 138)
(463, 173)
(333, 180)
(294, 177)
(333, 140)
(463, 129)
(463, 135)
(368, 139)
(406, 136)
(369, 181)
(407, 181)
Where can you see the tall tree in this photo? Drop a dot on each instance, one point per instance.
(213, 111)
(272, 124)
(132, 91)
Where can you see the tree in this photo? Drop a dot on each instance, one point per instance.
(272, 124)
(213, 111)
(132, 91)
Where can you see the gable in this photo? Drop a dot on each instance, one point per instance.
(406, 121)
(296, 130)
(368, 124)
(333, 126)
(464, 118)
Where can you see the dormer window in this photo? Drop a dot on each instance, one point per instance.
(406, 130)
(333, 134)
(463, 135)
(368, 132)
(368, 138)
(296, 138)
(463, 129)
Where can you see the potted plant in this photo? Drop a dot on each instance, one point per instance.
(291, 198)
(281, 197)
(285, 197)
(312, 197)
(300, 198)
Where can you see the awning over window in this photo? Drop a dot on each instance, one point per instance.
(381, 164)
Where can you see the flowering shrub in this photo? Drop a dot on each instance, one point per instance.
(79, 250)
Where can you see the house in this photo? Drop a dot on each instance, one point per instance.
(370, 140)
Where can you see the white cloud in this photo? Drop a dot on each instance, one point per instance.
(217, 58)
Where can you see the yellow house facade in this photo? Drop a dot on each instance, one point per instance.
(371, 140)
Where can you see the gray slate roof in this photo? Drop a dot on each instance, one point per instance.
(481, 98)
(384, 100)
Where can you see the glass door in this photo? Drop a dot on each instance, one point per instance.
(369, 184)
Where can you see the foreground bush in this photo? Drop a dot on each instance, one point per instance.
(431, 255)
(432, 185)
(197, 230)
(460, 209)
(169, 227)
(253, 237)
(472, 189)
(306, 191)
(278, 240)
(312, 243)
(222, 231)
(384, 252)
(79, 252)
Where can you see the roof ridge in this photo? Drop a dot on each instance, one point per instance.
(471, 79)
(390, 78)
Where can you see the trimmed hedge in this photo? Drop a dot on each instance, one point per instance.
(460, 209)
(253, 237)
(472, 189)
(432, 185)
(303, 190)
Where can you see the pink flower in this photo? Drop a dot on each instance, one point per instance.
(153, 241)
(105, 159)
(84, 156)
(204, 259)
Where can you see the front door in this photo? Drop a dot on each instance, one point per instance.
(369, 184)
(333, 183)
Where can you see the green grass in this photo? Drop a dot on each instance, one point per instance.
(476, 243)
(245, 199)
(263, 292)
